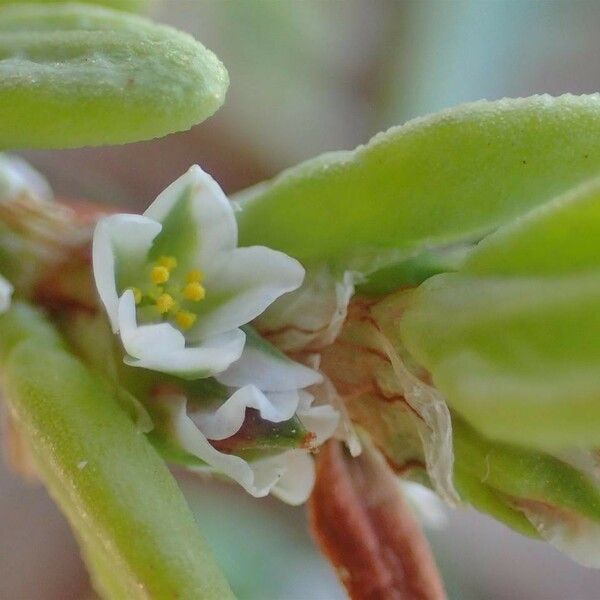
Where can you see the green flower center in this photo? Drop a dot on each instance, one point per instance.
(166, 296)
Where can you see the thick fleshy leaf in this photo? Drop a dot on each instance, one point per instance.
(436, 181)
(517, 357)
(137, 533)
(128, 5)
(562, 236)
(75, 75)
(530, 491)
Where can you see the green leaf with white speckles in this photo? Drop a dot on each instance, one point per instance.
(76, 75)
(438, 181)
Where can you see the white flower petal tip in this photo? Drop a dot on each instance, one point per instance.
(6, 291)
(192, 288)
(18, 177)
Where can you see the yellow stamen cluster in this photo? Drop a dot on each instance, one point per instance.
(194, 291)
(160, 274)
(167, 299)
(185, 319)
(164, 303)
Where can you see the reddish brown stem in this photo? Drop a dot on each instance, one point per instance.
(362, 523)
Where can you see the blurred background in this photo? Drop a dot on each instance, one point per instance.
(308, 76)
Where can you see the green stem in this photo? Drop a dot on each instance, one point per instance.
(136, 531)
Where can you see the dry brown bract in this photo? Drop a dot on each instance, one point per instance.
(362, 523)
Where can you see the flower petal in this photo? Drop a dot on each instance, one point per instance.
(123, 239)
(296, 483)
(263, 365)
(162, 347)
(18, 177)
(6, 290)
(229, 417)
(248, 280)
(212, 212)
(257, 478)
(321, 420)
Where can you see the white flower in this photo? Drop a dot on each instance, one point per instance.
(175, 285)
(289, 474)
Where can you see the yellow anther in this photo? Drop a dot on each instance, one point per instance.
(195, 276)
(168, 262)
(185, 319)
(137, 294)
(159, 274)
(194, 291)
(165, 303)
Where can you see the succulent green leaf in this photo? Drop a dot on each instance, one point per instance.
(74, 75)
(558, 497)
(136, 531)
(516, 356)
(524, 475)
(437, 181)
(560, 237)
(479, 495)
(127, 5)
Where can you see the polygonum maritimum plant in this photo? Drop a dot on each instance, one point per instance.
(431, 299)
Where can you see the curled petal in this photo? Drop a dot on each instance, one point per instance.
(162, 347)
(269, 369)
(257, 478)
(119, 236)
(229, 417)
